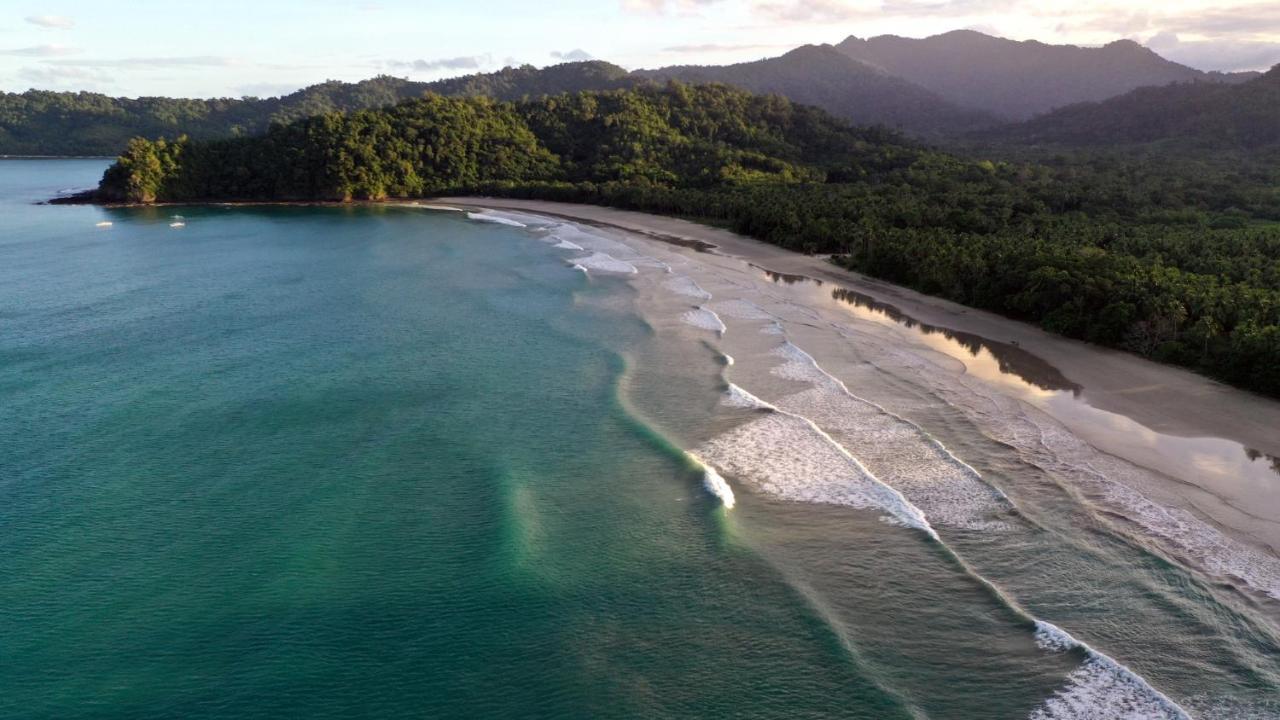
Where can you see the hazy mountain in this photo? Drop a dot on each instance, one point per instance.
(39, 122)
(1020, 79)
(822, 76)
(1216, 115)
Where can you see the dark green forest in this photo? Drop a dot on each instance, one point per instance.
(40, 122)
(1174, 260)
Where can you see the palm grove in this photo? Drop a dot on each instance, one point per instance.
(1178, 263)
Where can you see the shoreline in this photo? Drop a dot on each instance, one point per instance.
(1163, 398)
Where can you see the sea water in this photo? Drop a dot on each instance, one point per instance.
(403, 461)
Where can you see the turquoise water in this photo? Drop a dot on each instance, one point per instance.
(388, 462)
(309, 462)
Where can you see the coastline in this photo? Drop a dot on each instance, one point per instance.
(1164, 398)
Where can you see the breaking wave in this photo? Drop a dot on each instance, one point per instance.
(605, 263)
(494, 218)
(705, 319)
(714, 483)
(1100, 687)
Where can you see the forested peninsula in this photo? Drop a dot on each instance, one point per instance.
(1174, 262)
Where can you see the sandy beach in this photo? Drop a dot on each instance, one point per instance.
(1199, 438)
(1163, 398)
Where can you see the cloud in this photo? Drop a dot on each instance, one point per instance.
(718, 47)
(575, 55)
(64, 77)
(465, 62)
(804, 11)
(41, 51)
(1225, 55)
(151, 62)
(267, 89)
(1247, 20)
(53, 22)
(662, 7)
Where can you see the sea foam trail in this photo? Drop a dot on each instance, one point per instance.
(1101, 688)
(1189, 536)
(705, 319)
(492, 218)
(685, 285)
(714, 483)
(605, 263)
(566, 245)
(900, 453)
(790, 457)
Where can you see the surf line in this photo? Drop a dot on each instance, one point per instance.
(712, 480)
(908, 514)
(921, 432)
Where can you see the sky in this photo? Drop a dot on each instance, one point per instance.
(234, 48)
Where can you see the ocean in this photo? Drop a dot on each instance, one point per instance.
(394, 461)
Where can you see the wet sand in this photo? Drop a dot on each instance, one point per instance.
(1160, 397)
(1210, 442)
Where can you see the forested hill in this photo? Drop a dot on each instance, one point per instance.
(1019, 79)
(674, 136)
(46, 123)
(941, 86)
(50, 123)
(1181, 266)
(823, 76)
(1191, 115)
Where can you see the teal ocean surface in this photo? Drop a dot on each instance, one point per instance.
(394, 462)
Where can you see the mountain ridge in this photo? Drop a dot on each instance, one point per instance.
(1020, 79)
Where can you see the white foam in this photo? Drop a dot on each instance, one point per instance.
(103, 224)
(605, 263)
(900, 453)
(1109, 482)
(737, 397)
(494, 218)
(705, 319)
(685, 285)
(714, 483)
(1101, 688)
(789, 457)
(728, 360)
(177, 224)
(434, 206)
(566, 245)
(742, 310)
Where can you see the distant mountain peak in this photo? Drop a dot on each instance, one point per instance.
(1019, 79)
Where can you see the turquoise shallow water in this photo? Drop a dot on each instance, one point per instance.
(310, 462)
(387, 462)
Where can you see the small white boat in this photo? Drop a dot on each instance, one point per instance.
(104, 223)
(177, 224)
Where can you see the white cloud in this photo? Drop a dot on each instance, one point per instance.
(661, 7)
(41, 51)
(575, 55)
(465, 62)
(1226, 55)
(54, 22)
(267, 89)
(59, 78)
(722, 47)
(151, 62)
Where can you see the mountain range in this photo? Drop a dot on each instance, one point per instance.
(1213, 115)
(1017, 80)
(957, 84)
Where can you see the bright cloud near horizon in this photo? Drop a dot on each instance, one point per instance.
(237, 47)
